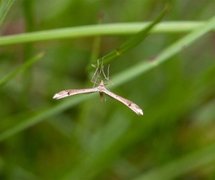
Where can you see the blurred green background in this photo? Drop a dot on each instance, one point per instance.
(83, 138)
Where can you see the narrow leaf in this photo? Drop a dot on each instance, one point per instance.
(165, 55)
(20, 69)
(103, 29)
(183, 165)
(5, 6)
(133, 41)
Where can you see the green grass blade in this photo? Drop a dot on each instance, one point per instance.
(40, 115)
(183, 165)
(133, 41)
(95, 30)
(5, 6)
(145, 66)
(20, 69)
(95, 48)
(117, 80)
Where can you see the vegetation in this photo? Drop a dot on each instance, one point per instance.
(48, 46)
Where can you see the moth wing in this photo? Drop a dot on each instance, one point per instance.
(134, 107)
(72, 92)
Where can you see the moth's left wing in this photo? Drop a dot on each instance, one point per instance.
(134, 107)
(72, 92)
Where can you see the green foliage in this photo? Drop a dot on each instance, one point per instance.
(170, 75)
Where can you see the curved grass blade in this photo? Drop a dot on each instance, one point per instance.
(31, 119)
(182, 165)
(103, 29)
(5, 6)
(119, 79)
(170, 51)
(133, 41)
(20, 69)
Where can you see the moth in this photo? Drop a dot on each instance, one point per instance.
(101, 89)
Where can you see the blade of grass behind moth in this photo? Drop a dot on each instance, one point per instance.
(102, 30)
(121, 78)
(167, 53)
(183, 165)
(96, 47)
(95, 52)
(133, 41)
(20, 69)
(5, 6)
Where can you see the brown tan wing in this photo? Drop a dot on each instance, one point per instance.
(134, 107)
(72, 92)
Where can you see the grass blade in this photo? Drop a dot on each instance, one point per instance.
(40, 115)
(183, 165)
(95, 30)
(20, 69)
(134, 41)
(5, 6)
(145, 66)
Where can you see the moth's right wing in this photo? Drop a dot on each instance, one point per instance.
(134, 107)
(72, 92)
